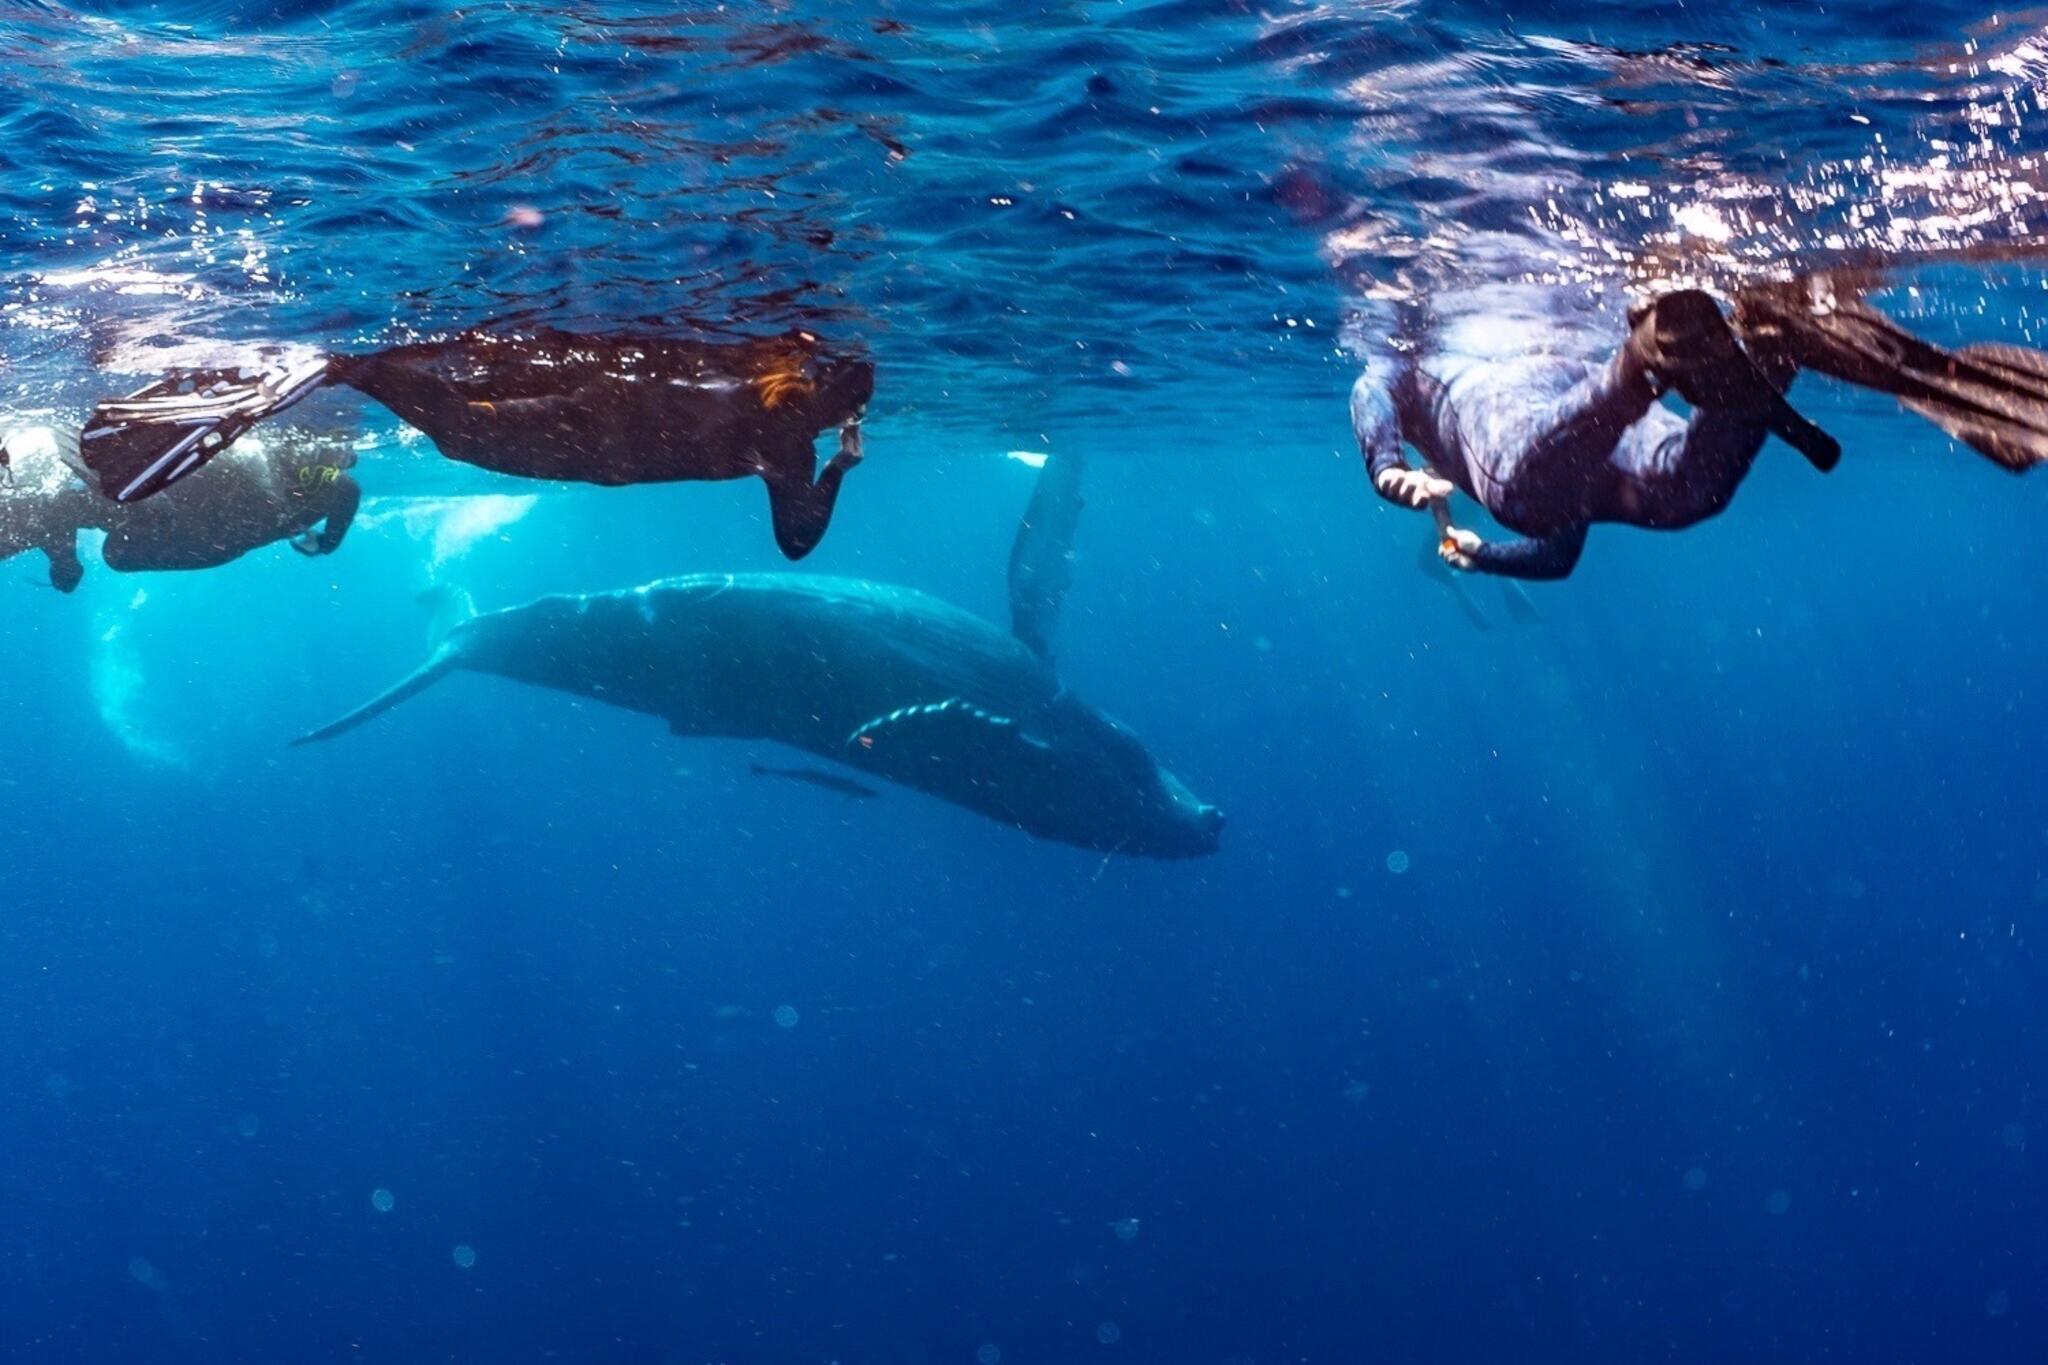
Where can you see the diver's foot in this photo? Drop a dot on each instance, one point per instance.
(1680, 341)
(1684, 343)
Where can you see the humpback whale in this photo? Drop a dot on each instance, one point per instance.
(615, 409)
(886, 681)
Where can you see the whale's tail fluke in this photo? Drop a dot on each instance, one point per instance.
(444, 661)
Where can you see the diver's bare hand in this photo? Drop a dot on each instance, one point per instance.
(849, 453)
(1416, 488)
(1458, 547)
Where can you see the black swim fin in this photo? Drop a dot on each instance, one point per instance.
(1992, 397)
(142, 444)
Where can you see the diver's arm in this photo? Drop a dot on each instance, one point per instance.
(347, 495)
(1378, 428)
(1536, 557)
(341, 514)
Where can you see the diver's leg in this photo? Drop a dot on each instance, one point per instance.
(1670, 472)
(66, 569)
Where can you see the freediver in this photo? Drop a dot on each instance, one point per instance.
(1503, 407)
(298, 492)
(302, 493)
(604, 409)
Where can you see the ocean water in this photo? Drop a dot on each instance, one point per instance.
(1645, 972)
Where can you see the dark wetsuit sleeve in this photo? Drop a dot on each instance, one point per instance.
(1373, 420)
(1547, 557)
(341, 513)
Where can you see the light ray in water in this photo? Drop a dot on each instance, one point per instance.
(452, 526)
(118, 687)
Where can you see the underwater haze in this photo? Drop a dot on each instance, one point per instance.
(1639, 968)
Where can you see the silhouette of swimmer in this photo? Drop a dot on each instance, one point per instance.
(551, 405)
(1550, 444)
(300, 492)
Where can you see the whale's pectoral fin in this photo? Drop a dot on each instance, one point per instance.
(950, 733)
(444, 661)
(1041, 558)
(144, 443)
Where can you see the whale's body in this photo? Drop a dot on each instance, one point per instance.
(885, 680)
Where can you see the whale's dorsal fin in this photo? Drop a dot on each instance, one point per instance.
(1041, 558)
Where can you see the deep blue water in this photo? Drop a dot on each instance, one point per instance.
(1701, 1023)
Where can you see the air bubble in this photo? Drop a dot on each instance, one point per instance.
(1109, 1334)
(989, 1354)
(464, 1256)
(1397, 862)
(786, 1016)
(1778, 1203)
(382, 1200)
(1696, 1179)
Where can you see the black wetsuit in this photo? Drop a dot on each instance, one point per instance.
(1550, 444)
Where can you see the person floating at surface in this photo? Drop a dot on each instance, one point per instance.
(1551, 443)
(615, 409)
(300, 492)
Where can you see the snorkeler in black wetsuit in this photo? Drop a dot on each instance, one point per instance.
(1551, 444)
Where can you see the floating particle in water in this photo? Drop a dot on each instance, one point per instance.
(525, 217)
(727, 1012)
(1696, 1179)
(1397, 862)
(1998, 1303)
(786, 1016)
(1126, 1229)
(142, 1272)
(344, 85)
(988, 1353)
(2014, 1135)
(248, 1125)
(382, 1200)
(1777, 1203)
(1355, 1092)
(464, 1256)
(1109, 1334)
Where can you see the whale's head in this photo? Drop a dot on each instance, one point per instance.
(1117, 797)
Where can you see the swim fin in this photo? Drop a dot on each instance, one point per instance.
(1991, 396)
(142, 444)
